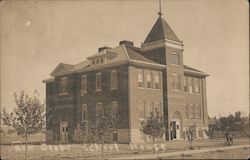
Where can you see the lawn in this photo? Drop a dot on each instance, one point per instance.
(78, 151)
(243, 153)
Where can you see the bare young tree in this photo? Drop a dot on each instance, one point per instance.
(153, 126)
(28, 117)
(191, 134)
(106, 123)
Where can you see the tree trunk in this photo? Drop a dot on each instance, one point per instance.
(153, 144)
(26, 146)
(102, 149)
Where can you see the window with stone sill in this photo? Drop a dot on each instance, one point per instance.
(196, 85)
(98, 81)
(198, 111)
(185, 84)
(84, 112)
(176, 82)
(84, 81)
(149, 80)
(140, 78)
(175, 58)
(191, 111)
(63, 86)
(157, 80)
(186, 111)
(114, 79)
(141, 105)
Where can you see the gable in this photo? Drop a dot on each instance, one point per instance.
(62, 69)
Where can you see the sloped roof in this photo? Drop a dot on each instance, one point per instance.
(192, 69)
(134, 54)
(161, 30)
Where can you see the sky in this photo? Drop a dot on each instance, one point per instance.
(37, 35)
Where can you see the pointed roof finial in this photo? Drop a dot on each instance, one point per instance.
(159, 13)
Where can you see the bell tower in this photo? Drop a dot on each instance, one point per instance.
(163, 46)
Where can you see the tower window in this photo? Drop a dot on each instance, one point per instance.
(175, 59)
(176, 82)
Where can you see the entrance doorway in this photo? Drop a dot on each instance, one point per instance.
(175, 130)
(64, 131)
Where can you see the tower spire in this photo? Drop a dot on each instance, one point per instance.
(159, 13)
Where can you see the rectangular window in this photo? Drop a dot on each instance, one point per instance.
(142, 110)
(196, 85)
(115, 106)
(186, 111)
(159, 108)
(198, 111)
(191, 111)
(149, 80)
(97, 61)
(149, 109)
(176, 82)
(175, 58)
(93, 62)
(99, 107)
(84, 112)
(98, 81)
(157, 80)
(114, 79)
(101, 61)
(140, 78)
(190, 85)
(185, 84)
(84, 84)
(63, 86)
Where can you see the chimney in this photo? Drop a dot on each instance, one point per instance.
(103, 48)
(128, 43)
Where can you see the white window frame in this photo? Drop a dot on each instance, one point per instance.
(185, 84)
(84, 109)
(175, 58)
(150, 74)
(190, 85)
(196, 85)
(140, 81)
(159, 79)
(198, 110)
(84, 82)
(142, 113)
(192, 111)
(114, 80)
(97, 87)
(186, 111)
(64, 90)
(176, 85)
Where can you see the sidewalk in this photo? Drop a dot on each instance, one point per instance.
(163, 155)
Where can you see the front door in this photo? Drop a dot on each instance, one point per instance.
(175, 130)
(64, 131)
